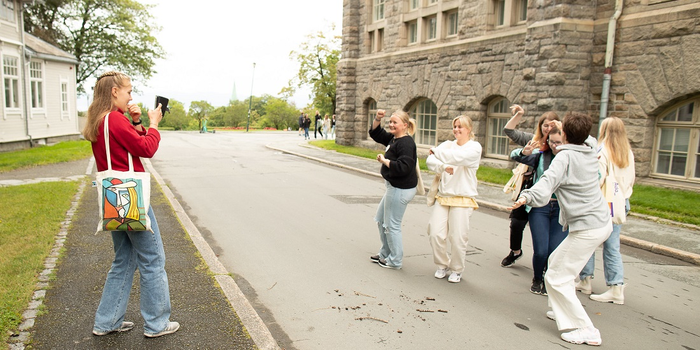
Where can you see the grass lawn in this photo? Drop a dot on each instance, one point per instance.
(676, 205)
(41, 155)
(30, 218)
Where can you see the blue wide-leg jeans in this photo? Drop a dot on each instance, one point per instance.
(389, 215)
(612, 259)
(132, 250)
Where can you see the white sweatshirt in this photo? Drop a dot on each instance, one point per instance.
(465, 161)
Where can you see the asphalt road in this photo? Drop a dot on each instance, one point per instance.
(297, 236)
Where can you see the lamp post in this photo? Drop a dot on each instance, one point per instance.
(250, 102)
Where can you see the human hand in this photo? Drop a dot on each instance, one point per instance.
(155, 116)
(430, 152)
(450, 170)
(134, 112)
(380, 113)
(516, 109)
(531, 145)
(556, 123)
(517, 204)
(380, 158)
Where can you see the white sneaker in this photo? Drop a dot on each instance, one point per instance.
(584, 285)
(589, 335)
(454, 277)
(550, 315)
(614, 294)
(171, 328)
(440, 273)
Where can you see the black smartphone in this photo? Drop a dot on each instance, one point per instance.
(164, 103)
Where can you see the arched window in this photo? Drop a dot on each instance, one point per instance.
(498, 116)
(425, 114)
(676, 147)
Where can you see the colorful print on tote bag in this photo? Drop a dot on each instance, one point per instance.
(122, 205)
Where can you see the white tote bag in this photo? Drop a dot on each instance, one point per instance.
(614, 196)
(123, 196)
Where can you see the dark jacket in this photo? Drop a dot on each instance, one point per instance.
(403, 156)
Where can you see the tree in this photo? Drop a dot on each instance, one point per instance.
(101, 34)
(317, 57)
(199, 110)
(279, 114)
(176, 118)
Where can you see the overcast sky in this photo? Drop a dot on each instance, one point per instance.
(212, 44)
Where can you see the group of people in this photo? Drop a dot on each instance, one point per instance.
(324, 126)
(562, 200)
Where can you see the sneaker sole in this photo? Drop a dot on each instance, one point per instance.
(616, 302)
(587, 342)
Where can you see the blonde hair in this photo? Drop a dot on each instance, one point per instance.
(102, 101)
(403, 115)
(614, 137)
(466, 123)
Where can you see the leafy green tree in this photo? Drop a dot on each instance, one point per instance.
(177, 117)
(101, 34)
(318, 57)
(199, 110)
(279, 114)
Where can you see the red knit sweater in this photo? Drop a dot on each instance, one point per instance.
(124, 138)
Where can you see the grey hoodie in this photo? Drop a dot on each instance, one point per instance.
(573, 177)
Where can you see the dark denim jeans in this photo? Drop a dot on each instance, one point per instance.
(547, 233)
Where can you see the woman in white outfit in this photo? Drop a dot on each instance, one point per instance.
(456, 163)
(326, 126)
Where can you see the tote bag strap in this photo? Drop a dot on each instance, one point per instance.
(109, 155)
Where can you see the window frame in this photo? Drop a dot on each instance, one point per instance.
(412, 32)
(414, 4)
(500, 117)
(378, 9)
(36, 85)
(431, 28)
(12, 91)
(371, 109)
(691, 171)
(452, 25)
(64, 94)
(7, 11)
(419, 113)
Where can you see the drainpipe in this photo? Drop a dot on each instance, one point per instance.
(26, 94)
(607, 74)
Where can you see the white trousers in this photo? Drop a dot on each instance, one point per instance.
(565, 263)
(449, 223)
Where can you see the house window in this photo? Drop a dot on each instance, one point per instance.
(36, 81)
(380, 40)
(452, 22)
(521, 11)
(413, 4)
(64, 98)
(431, 24)
(425, 113)
(677, 149)
(412, 32)
(432, 1)
(497, 141)
(371, 108)
(378, 10)
(7, 11)
(10, 70)
(370, 49)
(500, 11)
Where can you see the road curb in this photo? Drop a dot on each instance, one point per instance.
(249, 317)
(626, 240)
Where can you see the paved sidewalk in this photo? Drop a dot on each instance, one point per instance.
(212, 311)
(676, 240)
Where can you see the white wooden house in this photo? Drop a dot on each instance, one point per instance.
(39, 86)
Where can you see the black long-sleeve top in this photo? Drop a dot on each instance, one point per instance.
(403, 156)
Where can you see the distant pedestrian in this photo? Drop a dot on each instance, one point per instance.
(306, 124)
(614, 156)
(573, 177)
(399, 172)
(456, 163)
(142, 250)
(301, 123)
(318, 124)
(326, 126)
(333, 127)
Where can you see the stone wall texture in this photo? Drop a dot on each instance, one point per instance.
(554, 61)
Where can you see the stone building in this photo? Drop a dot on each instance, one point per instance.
(441, 58)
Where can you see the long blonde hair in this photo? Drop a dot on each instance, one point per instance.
(614, 137)
(102, 101)
(403, 115)
(466, 123)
